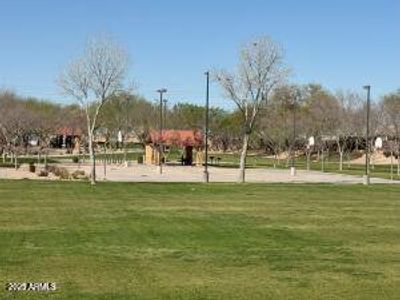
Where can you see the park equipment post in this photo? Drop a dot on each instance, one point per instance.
(206, 174)
(160, 147)
(366, 175)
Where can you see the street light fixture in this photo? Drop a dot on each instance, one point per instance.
(206, 174)
(293, 168)
(165, 101)
(295, 97)
(160, 146)
(367, 150)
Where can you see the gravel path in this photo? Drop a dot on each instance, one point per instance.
(144, 173)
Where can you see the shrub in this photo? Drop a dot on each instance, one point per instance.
(61, 172)
(78, 174)
(51, 168)
(7, 165)
(75, 159)
(56, 171)
(64, 174)
(43, 173)
(140, 160)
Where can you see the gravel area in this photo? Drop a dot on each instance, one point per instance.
(145, 173)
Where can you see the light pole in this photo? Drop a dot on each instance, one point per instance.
(206, 174)
(295, 98)
(366, 175)
(160, 146)
(127, 100)
(293, 168)
(165, 114)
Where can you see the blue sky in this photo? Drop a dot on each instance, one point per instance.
(341, 44)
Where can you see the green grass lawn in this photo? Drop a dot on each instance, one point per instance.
(331, 165)
(24, 160)
(196, 241)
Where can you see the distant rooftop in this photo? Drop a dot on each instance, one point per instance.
(177, 137)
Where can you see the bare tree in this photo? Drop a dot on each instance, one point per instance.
(290, 98)
(120, 113)
(391, 108)
(45, 117)
(259, 70)
(347, 123)
(225, 130)
(15, 124)
(391, 122)
(272, 129)
(93, 80)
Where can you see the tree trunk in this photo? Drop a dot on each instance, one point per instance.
(125, 154)
(391, 165)
(16, 161)
(45, 159)
(322, 161)
(398, 164)
(105, 163)
(348, 160)
(341, 152)
(398, 160)
(308, 159)
(92, 160)
(288, 156)
(243, 155)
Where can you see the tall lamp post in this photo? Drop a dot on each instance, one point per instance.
(160, 146)
(165, 114)
(293, 168)
(366, 175)
(206, 174)
(127, 101)
(294, 98)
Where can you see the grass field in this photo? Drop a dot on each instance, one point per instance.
(231, 160)
(196, 241)
(331, 165)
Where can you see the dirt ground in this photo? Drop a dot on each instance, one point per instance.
(145, 173)
(377, 158)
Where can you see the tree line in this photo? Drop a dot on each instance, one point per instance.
(336, 121)
(270, 115)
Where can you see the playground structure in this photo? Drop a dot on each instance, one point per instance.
(189, 142)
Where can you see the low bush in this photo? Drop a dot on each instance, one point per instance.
(43, 173)
(60, 172)
(7, 165)
(51, 168)
(64, 174)
(79, 174)
(75, 159)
